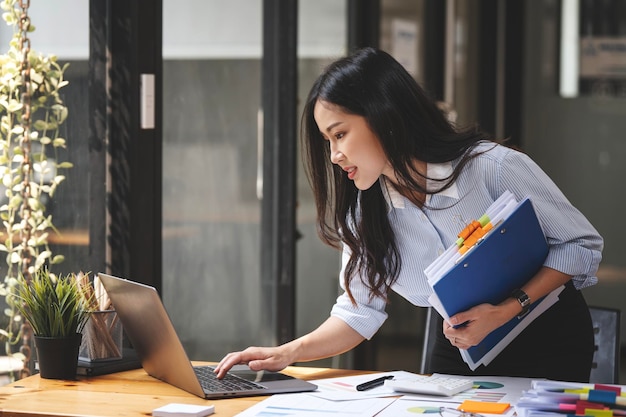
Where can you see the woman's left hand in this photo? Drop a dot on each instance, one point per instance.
(482, 319)
(476, 323)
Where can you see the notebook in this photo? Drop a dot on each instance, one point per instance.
(162, 355)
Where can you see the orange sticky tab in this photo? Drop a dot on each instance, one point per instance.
(480, 232)
(473, 238)
(470, 241)
(469, 229)
(470, 406)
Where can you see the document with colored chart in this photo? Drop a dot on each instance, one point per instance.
(494, 255)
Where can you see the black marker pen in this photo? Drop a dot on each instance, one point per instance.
(373, 383)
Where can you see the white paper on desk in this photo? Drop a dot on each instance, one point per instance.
(410, 408)
(344, 388)
(541, 306)
(311, 406)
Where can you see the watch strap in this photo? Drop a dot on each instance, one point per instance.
(523, 299)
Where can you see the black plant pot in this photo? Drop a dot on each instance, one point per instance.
(58, 357)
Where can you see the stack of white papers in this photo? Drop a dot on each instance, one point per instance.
(557, 398)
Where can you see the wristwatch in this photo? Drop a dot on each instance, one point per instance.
(524, 301)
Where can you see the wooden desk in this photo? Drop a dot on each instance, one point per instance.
(129, 393)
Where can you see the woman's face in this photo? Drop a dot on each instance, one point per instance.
(353, 145)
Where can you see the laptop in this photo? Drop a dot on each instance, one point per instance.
(162, 355)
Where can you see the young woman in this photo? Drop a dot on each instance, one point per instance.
(394, 183)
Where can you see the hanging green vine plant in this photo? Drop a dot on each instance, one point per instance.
(31, 113)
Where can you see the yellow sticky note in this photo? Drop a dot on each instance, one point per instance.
(483, 407)
(598, 413)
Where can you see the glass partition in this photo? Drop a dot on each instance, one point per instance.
(211, 213)
(322, 38)
(211, 206)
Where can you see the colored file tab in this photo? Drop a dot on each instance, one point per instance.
(471, 406)
(606, 397)
(614, 388)
(596, 395)
(471, 236)
(582, 407)
(598, 413)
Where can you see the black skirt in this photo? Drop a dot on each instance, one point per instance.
(559, 345)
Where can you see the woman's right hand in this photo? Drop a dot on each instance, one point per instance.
(257, 358)
(331, 338)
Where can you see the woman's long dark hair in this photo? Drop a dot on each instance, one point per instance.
(410, 126)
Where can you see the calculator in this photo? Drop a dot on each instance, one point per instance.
(443, 385)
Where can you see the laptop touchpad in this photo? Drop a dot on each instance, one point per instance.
(248, 374)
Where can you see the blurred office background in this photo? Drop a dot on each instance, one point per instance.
(183, 132)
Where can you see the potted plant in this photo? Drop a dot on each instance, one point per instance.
(57, 309)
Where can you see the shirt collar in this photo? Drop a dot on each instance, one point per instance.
(434, 172)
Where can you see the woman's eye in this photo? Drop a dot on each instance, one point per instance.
(339, 135)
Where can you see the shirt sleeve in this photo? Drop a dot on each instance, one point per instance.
(575, 247)
(367, 315)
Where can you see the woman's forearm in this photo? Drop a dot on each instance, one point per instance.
(544, 282)
(331, 338)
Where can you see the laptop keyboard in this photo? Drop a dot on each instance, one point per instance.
(210, 383)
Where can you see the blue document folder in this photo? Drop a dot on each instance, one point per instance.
(508, 257)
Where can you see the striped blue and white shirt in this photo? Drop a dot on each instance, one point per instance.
(423, 234)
